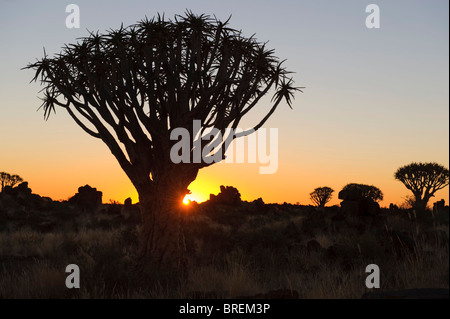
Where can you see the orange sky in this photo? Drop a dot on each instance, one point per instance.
(55, 169)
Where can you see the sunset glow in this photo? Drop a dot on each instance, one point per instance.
(197, 197)
(374, 100)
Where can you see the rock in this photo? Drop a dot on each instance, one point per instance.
(351, 194)
(367, 207)
(441, 212)
(393, 207)
(259, 202)
(349, 208)
(129, 211)
(427, 293)
(7, 190)
(257, 206)
(23, 188)
(360, 207)
(128, 203)
(21, 191)
(438, 206)
(228, 195)
(7, 202)
(87, 198)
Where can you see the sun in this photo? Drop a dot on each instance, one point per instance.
(189, 198)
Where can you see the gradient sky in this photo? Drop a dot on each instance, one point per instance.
(375, 99)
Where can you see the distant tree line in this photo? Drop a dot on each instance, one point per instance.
(422, 179)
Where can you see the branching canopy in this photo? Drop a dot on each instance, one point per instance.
(130, 87)
(423, 179)
(321, 195)
(365, 191)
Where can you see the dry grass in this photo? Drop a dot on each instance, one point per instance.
(227, 261)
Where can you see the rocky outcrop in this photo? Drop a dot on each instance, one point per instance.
(355, 204)
(87, 198)
(129, 211)
(228, 195)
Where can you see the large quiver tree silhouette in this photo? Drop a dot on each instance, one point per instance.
(423, 180)
(133, 86)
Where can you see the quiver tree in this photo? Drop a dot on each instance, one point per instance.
(9, 180)
(423, 180)
(321, 195)
(132, 87)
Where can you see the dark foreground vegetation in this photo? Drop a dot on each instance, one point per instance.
(235, 249)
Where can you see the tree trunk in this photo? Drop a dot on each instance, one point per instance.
(162, 236)
(421, 205)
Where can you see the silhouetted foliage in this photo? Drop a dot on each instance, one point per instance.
(321, 195)
(355, 191)
(9, 180)
(132, 86)
(423, 180)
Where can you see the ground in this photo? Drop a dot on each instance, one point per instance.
(238, 250)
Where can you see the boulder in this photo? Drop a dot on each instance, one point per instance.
(228, 195)
(367, 207)
(360, 207)
(21, 191)
(128, 203)
(393, 207)
(350, 194)
(438, 206)
(349, 208)
(130, 211)
(256, 206)
(87, 198)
